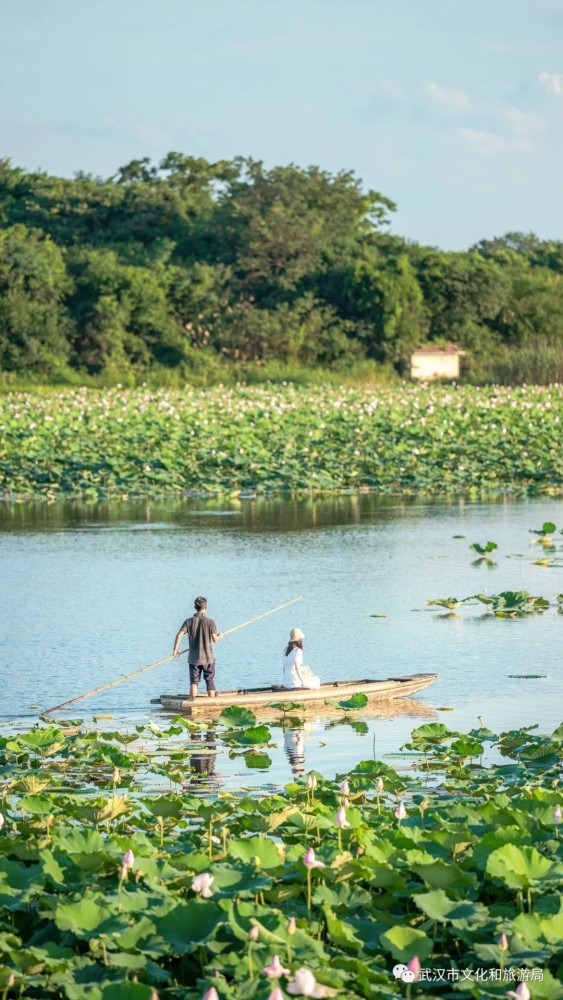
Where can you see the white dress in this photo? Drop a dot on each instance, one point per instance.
(293, 660)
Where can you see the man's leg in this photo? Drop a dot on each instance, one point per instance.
(209, 674)
(194, 680)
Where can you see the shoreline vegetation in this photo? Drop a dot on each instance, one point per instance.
(261, 440)
(188, 270)
(451, 863)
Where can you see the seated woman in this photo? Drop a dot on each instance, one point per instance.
(293, 660)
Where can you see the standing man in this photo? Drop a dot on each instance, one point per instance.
(202, 633)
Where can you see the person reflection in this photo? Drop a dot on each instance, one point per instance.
(294, 746)
(202, 763)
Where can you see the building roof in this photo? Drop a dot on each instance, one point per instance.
(438, 349)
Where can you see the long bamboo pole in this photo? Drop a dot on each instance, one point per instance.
(157, 663)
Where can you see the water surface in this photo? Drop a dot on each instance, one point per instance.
(91, 592)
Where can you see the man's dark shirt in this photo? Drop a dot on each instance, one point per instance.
(199, 630)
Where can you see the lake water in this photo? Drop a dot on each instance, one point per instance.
(91, 592)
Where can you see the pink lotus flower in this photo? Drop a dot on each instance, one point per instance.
(154, 995)
(275, 969)
(345, 787)
(341, 820)
(211, 994)
(310, 861)
(1, 821)
(503, 942)
(379, 785)
(128, 859)
(202, 884)
(557, 814)
(520, 993)
(276, 994)
(400, 811)
(304, 984)
(253, 933)
(414, 966)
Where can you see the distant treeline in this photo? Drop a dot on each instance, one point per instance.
(193, 271)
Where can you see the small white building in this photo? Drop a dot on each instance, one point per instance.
(436, 361)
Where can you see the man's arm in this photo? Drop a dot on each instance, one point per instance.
(217, 636)
(177, 641)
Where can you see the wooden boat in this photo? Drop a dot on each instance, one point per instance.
(264, 697)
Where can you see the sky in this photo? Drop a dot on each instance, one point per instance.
(452, 109)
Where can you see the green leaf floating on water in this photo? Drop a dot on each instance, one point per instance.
(529, 676)
(266, 852)
(356, 701)
(236, 715)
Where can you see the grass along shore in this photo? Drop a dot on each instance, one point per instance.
(226, 440)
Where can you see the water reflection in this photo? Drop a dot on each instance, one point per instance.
(202, 763)
(294, 746)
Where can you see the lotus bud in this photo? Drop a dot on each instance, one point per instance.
(379, 785)
(304, 984)
(310, 861)
(557, 814)
(253, 933)
(414, 966)
(153, 995)
(1, 821)
(275, 969)
(400, 811)
(345, 787)
(276, 994)
(128, 859)
(503, 942)
(291, 925)
(520, 993)
(10, 981)
(311, 782)
(211, 994)
(341, 820)
(116, 776)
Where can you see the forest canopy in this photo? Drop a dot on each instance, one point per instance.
(192, 271)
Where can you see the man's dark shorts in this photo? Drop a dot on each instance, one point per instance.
(208, 671)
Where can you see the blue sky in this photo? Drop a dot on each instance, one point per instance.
(452, 109)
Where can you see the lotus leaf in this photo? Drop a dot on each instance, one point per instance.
(406, 942)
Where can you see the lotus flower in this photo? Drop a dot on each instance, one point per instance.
(276, 994)
(275, 969)
(503, 942)
(1, 821)
(128, 859)
(253, 933)
(520, 993)
(310, 861)
(379, 785)
(400, 811)
(341, 820)
(116, 775)
(345, 787)
(154, 995)
(414, 966)
(202, 884)
(557, 814)
(292, 925)
(211, 994)
(311, 784)
(304, 984)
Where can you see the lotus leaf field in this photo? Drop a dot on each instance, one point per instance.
(111, 888)
(414, 439)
